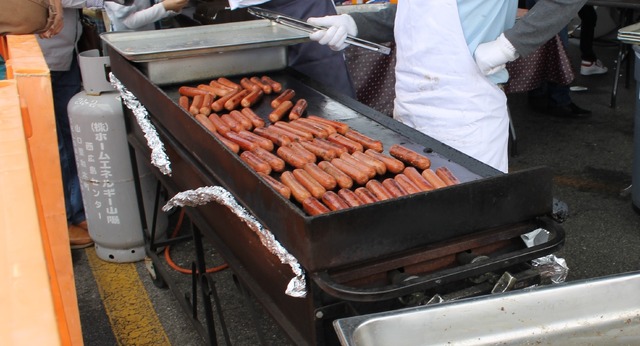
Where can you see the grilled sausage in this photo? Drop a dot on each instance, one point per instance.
(259, 140)
(277, 139)
(279, 112)
(323, 153)
(409, 156)
(367, 142)
(301, 133)
(253, 117)
(191, 91)
(341, 127)
(333, 201)
(351, 145)
(326, 127)
(183, 102)
(220, 89)
(339, 149)
(394, 188)
(291, 157)
(361, 166)
(233, 124)
(447, 176)
(281, 188)
(226, 82)
(255, 162)
(433, 178)
(196, 103)
(285, 132)
(298, 109)
(297, 190)
(316, 131)
(286, 95)
(378, 165)
(365, 195)
(205, 108)
(252, 98)
(218, 105)
(266, 88)
(220, 125)
(244, 143)
(300, 150)
(394, 165)
(277, 164)
(240, 118)
(314, 207)
(413, 174)
(407, 184)
(275, 86)
(325, 179)
(350, 197)
(378, 190)
(229, 144)
(249, 85)
(204, 120)
(343, 180)
(309, 183)
(234, 101)
(356, 174)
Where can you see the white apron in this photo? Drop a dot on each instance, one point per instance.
(440, 90)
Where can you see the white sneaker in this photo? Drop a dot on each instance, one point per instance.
(592, 67)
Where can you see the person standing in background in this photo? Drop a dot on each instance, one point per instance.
(317, 62)
(142, 14)
(590, 63)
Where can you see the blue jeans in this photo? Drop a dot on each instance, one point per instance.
(66, 84)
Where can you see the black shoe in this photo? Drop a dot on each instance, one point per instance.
(569, 111)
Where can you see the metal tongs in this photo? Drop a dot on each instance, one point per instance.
(306, 27)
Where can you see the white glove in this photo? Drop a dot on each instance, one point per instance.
(492, 56)
(338, 28)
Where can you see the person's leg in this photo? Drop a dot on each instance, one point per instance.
(590, 63)
(561, 105)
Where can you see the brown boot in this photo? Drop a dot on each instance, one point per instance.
(83, 225)
(79, 237)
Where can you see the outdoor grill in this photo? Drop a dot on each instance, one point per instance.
(372, 258)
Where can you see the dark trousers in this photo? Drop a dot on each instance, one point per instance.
(588, 18)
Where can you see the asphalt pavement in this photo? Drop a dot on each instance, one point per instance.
(591, 161)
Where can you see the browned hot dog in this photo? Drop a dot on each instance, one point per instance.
(341, 127)
(229, 144)
(234, 101)
(244, 143)
(306, 154)
(255, 162)
(351, 145)
(323, 153)
(204, 120)
(286, 95)
(365, 195)
(333, 201)
(277, 164)
(259, 140)
(183, 101)
(243, 120)
(220, 125)
(339, 149)
(394, 188)
(234, 125)
(276, 138)
(447, 176)
(196, 104)
(266, 88)
(297, 190)
(433, 178)
(279, 112)
(287, 126)
(285, 132)
(281, 188)
(309, 183)
(393, 165)
(249, 85)
(275, 86)
(291, 157)
(407, 184)
(298, 109)
(191, 91)
(228, 83)
(378, 190)
(378, 165)
(251, 115)
(413, 174)
(409, 156)
(316, 131)
(367, 142)
(325, 179)
(252, 98)
(361, 166)
(205, 108)
(343, 180)
(314, 207)
(213, 90)
(350, 197)
(218, 104)
(356, 174)
(326, 127)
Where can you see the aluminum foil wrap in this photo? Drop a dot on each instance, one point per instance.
(550, 266)
(158, 156)
(203, 195)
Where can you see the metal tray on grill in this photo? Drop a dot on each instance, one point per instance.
(183, 54)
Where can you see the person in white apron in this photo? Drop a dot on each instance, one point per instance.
(441, 90)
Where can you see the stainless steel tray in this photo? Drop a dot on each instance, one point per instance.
(630, 34)
(602, 311)
(144, 46)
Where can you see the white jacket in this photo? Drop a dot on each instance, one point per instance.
(139, 16)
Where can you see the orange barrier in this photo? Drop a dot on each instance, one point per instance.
(27, 72)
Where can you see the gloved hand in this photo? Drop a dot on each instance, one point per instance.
(492, 56)
(338, 28)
